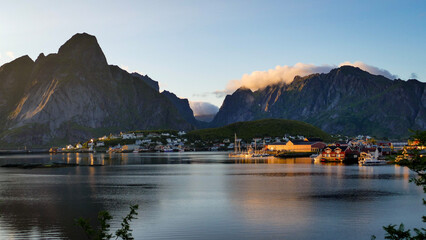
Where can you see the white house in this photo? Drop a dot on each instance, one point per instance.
(151, 135)
(180, 133)
(100, 144)
(128, 135)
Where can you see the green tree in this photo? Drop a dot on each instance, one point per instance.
(103, 231)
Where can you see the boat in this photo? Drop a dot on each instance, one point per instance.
(316, 157)
(167, 149)
(237, 149)
(368, 159)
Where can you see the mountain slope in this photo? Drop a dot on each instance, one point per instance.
(260, 128)
(347, 100)
(75, 94)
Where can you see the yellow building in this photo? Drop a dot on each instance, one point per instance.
(296, 146)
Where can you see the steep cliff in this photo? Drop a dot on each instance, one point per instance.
(182, 105)
(347, 100)
(75, 94)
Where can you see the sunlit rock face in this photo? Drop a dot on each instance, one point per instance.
(75, 94)
(347, 100)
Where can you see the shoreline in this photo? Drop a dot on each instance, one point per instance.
(32, 151)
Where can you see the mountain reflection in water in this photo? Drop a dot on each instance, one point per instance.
(205, 196)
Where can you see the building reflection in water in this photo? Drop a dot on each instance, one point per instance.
(288, 197)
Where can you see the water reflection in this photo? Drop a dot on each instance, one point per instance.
(37, 202)
(205, 196)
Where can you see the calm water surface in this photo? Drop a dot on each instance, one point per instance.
(206, 196)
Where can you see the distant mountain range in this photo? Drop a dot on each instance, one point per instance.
(74, 95)
(347, 100)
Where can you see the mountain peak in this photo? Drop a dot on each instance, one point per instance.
(348, 69)
(18, 62)
(243, 89)
(83, 47)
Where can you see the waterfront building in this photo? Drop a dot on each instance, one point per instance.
(334, 153)
(296, 146)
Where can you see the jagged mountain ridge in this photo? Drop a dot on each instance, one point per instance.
(347, 100)
(75, 94)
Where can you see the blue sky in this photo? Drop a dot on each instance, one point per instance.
(194, 48)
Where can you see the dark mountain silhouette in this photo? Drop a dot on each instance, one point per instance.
(347, 100)
(74, 94)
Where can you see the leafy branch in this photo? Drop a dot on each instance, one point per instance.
(103, 231)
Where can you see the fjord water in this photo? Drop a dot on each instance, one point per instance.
(205, 196)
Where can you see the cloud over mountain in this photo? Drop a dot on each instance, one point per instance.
(285, 74)
(203, 108)
(371, 69)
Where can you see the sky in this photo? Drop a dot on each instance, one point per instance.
(203, 50)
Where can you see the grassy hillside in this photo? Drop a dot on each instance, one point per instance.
(260, 128)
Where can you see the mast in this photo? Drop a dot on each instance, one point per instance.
(235, 143)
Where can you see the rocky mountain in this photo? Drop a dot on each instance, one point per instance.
(205, 118)
(182, 105)
(75, 94)
(147, 80)
(347, 100)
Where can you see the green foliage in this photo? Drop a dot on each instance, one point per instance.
(103, 231)
(395, 234)
(420, 136)
(125, 232)
(159, 131)
(259, 128)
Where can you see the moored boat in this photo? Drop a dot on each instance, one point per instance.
(368, 159)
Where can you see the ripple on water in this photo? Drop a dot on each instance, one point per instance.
(352, 195)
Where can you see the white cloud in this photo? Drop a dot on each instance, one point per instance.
(371, 69)
(203, 108)
(10, 54)
(285, 74)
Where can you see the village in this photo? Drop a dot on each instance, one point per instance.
(345, 149)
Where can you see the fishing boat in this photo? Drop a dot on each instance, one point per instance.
(368, 159)
(237, 148)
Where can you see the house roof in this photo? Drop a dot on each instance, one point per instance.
(343, 148)
(295, 142)
(277, 143)
(314, 139)
(303, 143)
